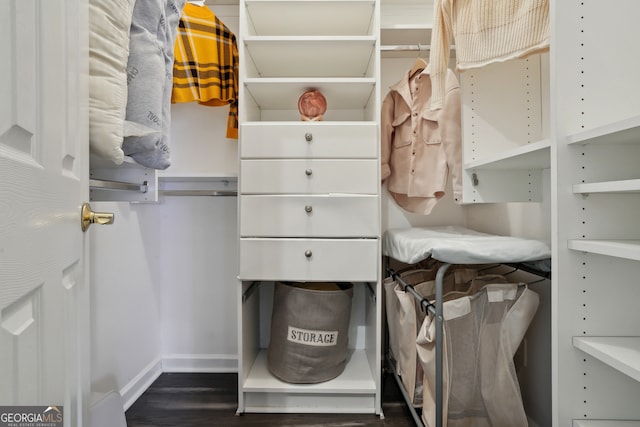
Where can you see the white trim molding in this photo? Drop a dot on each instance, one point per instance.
(218, 363)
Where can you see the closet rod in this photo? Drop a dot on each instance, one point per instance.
(405, 48)
(208, 193)
(101, 184)
(425, 304)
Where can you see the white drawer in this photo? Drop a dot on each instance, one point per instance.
(309, 216)
(309, 140)
(309, 259)
(309, 176)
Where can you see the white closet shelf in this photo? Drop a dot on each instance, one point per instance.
(405, 28)
(627, 249)
(283, 94)
(620, 132)
(623, 186)
(400, 14)
(356, 378)
(329, 17)
(406, 34)
(621, 353)
(309, 56)
(535, 155)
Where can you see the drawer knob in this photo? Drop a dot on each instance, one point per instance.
(309, 172)
(308, 208)
(308, 253)
(308, 136)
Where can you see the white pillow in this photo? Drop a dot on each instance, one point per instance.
(109, 25)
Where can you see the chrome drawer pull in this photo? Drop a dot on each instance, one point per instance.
(308, 253)
(308, 136)
(309, 172)
(308, 208)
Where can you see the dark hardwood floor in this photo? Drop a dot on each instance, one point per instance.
(189, 400)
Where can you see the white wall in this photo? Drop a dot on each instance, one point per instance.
(125, 302)
(198, 287)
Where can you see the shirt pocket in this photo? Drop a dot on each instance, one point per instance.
(401, 130)
(430, 128)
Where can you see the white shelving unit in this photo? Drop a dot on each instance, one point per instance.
(506, 145)
(505, 110)
(309, 191)
(595, 147)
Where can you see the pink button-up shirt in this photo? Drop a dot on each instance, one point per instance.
(420, 147)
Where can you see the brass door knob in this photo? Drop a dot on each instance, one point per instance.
(89, 217)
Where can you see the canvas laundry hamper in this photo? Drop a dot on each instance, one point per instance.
(309, 331)
(481, 333)
(409, 316)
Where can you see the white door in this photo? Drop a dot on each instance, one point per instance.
(44, 295)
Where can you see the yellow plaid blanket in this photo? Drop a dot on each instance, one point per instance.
(206, 63)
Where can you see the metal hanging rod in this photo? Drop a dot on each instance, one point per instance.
(210, 193)
(101, 184)
(405, 48)
(425, 304)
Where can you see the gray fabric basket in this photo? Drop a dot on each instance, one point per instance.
(309, 331)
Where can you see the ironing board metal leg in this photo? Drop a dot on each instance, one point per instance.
(439, 343)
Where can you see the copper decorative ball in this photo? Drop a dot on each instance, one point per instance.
(312, 105)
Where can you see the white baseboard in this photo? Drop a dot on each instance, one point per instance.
(219, 363)
(138, 385)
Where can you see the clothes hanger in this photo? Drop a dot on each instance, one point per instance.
(420, 64)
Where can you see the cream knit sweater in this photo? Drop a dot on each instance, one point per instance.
(484, 31)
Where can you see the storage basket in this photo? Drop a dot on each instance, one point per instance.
(309, 331)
